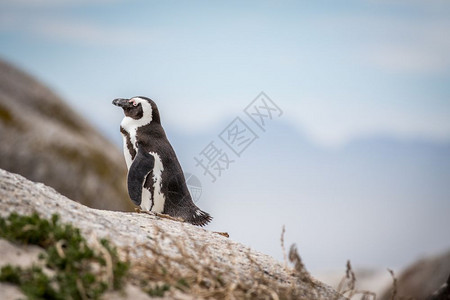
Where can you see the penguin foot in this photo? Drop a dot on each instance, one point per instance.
(155, 214)
(168, 217)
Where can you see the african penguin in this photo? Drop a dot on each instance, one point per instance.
(156, 181)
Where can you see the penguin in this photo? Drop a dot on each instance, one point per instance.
(155, 180)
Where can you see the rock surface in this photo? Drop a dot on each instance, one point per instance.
(22, 256)
(421, 279)
(137, 237)
(46, 141)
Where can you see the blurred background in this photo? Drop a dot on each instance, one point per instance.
(357, 166)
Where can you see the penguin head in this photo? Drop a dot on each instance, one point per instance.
(139, 108)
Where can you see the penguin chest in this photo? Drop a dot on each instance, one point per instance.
(153, 199)
(129, 149)
(127, 153)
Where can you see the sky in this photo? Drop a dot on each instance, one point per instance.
(340, 71)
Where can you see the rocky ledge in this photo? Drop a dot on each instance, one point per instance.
(197, 263)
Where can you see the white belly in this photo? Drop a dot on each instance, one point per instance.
(126, 153)
(158, 197)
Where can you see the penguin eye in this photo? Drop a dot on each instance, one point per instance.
(133, 102)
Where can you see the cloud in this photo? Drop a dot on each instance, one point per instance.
(419, 48)
(87, 33)
(406, 41)
(48, 3)
(74, 31)
(409, 59)
(332, 122)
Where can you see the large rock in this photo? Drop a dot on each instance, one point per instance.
(421, 279)
(218, 265)
(46, 141)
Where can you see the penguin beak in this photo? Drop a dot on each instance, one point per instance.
(122, 103)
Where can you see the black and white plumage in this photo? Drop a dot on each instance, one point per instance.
(156, 181)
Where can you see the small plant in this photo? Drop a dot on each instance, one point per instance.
(158, 290)
(394, 285)
(79, 271)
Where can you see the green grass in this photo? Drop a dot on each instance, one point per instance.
(80, 271)
(158, 290)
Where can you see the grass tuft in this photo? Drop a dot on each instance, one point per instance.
(194, 270)
(158, 290)
(394, 285)
(79, 271)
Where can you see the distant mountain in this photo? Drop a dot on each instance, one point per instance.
(44, 140)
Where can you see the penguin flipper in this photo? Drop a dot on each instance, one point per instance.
(142, 165)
